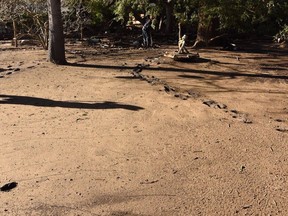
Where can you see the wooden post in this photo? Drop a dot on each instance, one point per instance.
(14, 41)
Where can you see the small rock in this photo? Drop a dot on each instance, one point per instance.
(247, 206)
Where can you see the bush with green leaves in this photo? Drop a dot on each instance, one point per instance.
(282, 35)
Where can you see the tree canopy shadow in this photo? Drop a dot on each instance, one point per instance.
(42, 102)
(182, 70)
(126, 77)
(274, 68)
(191, 76)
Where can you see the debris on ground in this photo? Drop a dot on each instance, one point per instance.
(9, 186)
(149, 182)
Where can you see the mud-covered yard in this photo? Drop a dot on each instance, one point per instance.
(130, 132)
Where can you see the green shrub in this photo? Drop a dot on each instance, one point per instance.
(282, 35)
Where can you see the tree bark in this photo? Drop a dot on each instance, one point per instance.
(202, 30)
(56, 46)
(14, 41)
(169, 6)
(206, 28)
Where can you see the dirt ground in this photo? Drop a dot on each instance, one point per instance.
(129, 132)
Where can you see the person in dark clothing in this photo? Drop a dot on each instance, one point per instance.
(146, 32)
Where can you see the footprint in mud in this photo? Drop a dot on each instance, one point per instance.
(8, 71)
(279, 120)
(234, 113)
(2, 72)
(189, 94)
(174, 91)
(240, 116)
(280, 129)
(214, 104)
(193, 94)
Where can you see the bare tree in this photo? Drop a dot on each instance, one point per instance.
(29, 17)
(35, 21)
(10, 11)
(74, 16)
(56, 48)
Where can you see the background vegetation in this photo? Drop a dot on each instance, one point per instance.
(200, 19)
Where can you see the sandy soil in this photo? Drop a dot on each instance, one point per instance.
(99, 137)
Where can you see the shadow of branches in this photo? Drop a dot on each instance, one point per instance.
(181, 70)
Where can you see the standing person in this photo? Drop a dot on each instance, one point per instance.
(146, 32)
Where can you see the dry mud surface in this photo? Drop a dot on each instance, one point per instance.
(125, 132)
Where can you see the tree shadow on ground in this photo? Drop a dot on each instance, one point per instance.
(274, 68)
(181, 70)
(42, 102)
(127, 77)
(193, 59)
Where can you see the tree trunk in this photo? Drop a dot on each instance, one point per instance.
(169, 16)
(179, 31)
(81, 32)
(56, 47)
(202, 30)
(206, 28)
(14, 41)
